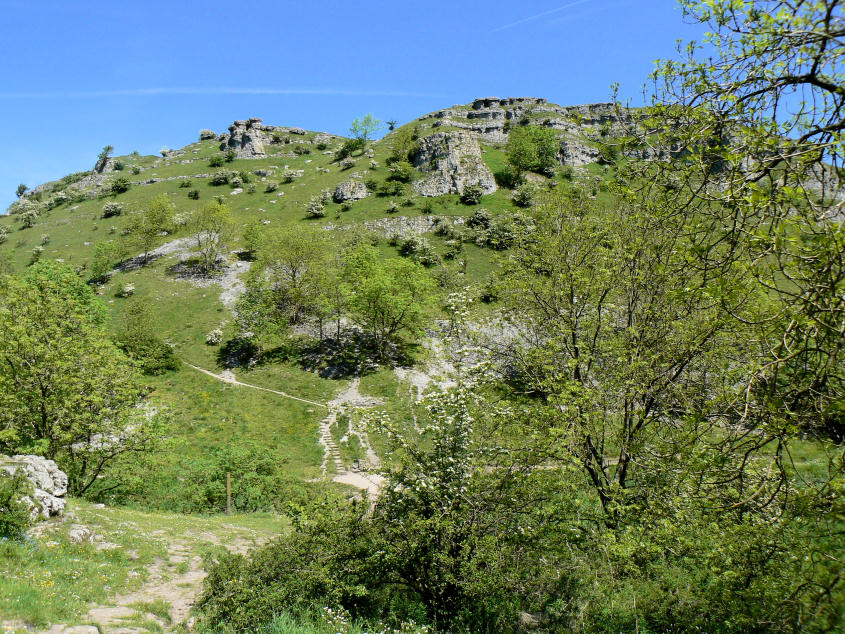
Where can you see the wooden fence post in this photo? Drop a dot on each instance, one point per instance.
(228, 493)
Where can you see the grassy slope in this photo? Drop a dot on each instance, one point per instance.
(208, 414)
(53, 580)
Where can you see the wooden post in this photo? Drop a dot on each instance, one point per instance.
(228, 493)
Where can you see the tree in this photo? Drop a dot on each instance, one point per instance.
(754, 128)
(363, 128)
(106, 254)
(391, 124)
(532, 148)
(146, 225)
(21, 190)
(284, 285)
(214, 230)
(387, 297)
(105, 154)
(66, 392)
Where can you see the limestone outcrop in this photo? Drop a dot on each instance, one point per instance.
(49, 483)
(452, 160)
(246, 138)
(349, 191)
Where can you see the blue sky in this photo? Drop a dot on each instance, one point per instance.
(79, 74)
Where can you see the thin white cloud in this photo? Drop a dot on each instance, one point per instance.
(539, 15)
(220, 91)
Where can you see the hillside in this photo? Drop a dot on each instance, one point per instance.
(283, 411)
(510, 364)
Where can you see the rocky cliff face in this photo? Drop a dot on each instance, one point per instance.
(246, 138)
(452, 160)
(48, 481)
(490, 118)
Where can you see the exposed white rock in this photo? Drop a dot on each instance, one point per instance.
(246, 138)
(350, 191)
(453, 160)
(48, 481)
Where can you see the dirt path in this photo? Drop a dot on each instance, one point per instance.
(369, 482)
(229, 377)
(350, 397)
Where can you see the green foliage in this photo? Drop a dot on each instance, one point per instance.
(401, 171)
(390, 296)
(216, 161)
(21, 190)
(230, 155)
(220, 177)
(106, 254)
(472, 193)
(525, 195)
(111, 209)
(214, 230)
(260, 481)
(194, 194)
(140, 343)
(14, 514)
(349, 147)
(532, 148)
(118, 185)
(405, 146)
(363, 128)
(69, 393)
(104, 155)
(315, 208)
(146, 225)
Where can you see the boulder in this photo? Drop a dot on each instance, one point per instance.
(48, 481)
(350, 191)
(453, 160)
(299, 131)
(246, 138)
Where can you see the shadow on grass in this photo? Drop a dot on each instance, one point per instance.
(353, 354)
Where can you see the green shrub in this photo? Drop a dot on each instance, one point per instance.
(136, 170)
(216, 161)
(14, 514)
(119, 185)
(140, 343)
(349, 147)
(270, 187)
(472, 194)
(230, 156)
(35, 254)
(525, 195)
(185, 183)
(391, 188)
(220, 177)
(4, 233)
(479, 219)
(301, 150)
(194, 194)
(392, 207)
(119, 166)
(410, 246)
(315, 208)
(111, 209)
(401, 171)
